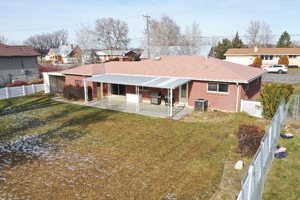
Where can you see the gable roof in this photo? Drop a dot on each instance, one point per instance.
(189, 67)
(263, 51)
(10, 51)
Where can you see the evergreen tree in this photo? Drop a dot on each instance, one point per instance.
(237, 42)
(284, 40)
(222, 47)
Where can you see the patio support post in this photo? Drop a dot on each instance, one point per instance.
(171, 102)
(101, 90)
(137, 91)
(85, 91)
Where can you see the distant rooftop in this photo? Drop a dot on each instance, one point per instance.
(263, 51)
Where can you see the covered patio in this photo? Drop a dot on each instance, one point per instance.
(133, 99)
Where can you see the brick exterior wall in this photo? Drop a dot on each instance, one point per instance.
(252, 90)
(77, 80)
(218, 101)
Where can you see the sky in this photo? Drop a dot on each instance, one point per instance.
(20, 19)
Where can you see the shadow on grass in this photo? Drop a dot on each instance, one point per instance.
(37, 103)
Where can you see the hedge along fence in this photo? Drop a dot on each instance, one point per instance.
(76, 93)
(10, 92)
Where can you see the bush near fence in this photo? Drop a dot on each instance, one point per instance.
(249, 136)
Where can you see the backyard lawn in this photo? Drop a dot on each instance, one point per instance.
(52, 150)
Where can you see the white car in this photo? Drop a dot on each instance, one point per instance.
(276, 69)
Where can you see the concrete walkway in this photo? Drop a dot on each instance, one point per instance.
(147, 109)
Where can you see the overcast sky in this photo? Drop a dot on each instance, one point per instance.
(21, 18)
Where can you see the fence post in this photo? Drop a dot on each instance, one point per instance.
(33, 88)
(24, 90)
(7, 92)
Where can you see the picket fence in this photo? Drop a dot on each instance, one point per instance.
(10, 92)
(253, 183)
(253, 108)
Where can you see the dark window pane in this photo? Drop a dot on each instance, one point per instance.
(213, 87)
(223, 88)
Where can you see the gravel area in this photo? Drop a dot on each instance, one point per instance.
(281, 78)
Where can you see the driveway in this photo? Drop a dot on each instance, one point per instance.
(281, 78)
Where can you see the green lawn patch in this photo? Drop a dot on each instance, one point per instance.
(92, 153)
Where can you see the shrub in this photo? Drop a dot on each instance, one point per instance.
(271, 96)
(249, 139)
(257, 62)
(17, 83)
(38, 81)
(284, 60)
(76, 93)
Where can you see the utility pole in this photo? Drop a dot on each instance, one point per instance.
(147, 17)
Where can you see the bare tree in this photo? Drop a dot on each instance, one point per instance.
(112, 33)
(253, 33)
(191, 40)
(265, 36)
(259, 34)
(164, 32)
(44, 42)
(86, 38)
(3, 40)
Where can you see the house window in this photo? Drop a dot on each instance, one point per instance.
(267, 57)
(78, 83)
(217, 87)
(292, 56)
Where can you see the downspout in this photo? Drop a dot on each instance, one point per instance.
(237, 97)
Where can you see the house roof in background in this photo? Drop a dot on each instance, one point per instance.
(185, 67)
(11, 51)
(263, 51)
(156, 51)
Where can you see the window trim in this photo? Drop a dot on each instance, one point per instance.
(217, 92)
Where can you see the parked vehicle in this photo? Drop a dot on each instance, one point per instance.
(276, 69)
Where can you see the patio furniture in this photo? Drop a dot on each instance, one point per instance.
(156, 98)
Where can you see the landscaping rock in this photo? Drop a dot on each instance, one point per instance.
(169, 197)
(239, 165)
(2, 180)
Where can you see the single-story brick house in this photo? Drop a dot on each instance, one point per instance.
(181, 78)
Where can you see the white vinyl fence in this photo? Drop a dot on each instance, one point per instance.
(253, 183)
(9, 92)
(253, 108)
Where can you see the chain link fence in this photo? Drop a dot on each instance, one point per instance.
(253, 182)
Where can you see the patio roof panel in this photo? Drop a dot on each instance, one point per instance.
(146, 81)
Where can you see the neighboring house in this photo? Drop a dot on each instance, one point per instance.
(270, 56)
(185, 78)
(17, 63)
(65, 54)
(109, 54)
(156, 51)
